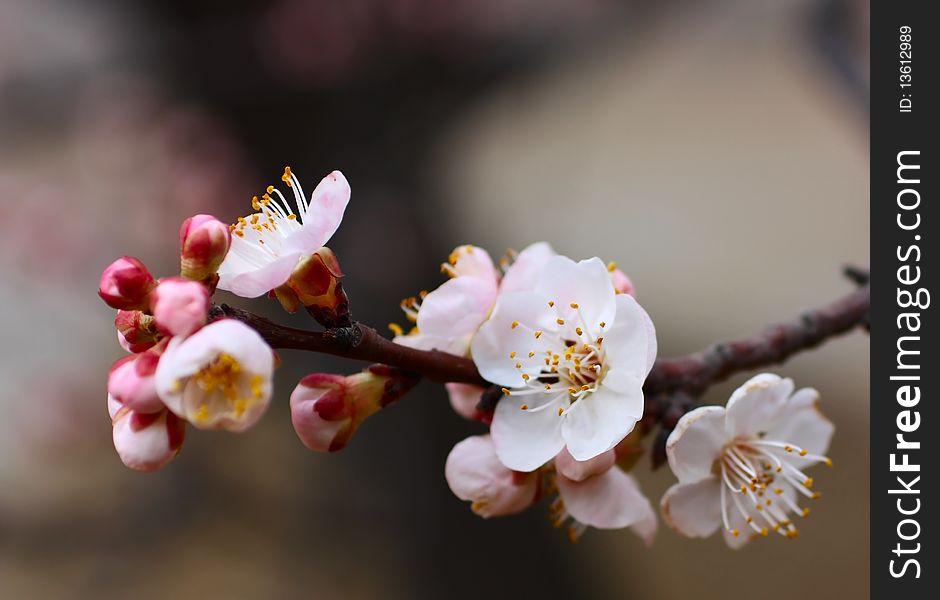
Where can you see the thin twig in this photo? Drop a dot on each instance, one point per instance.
(691, 374)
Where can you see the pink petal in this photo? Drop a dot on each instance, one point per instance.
(693, 509)
(609, 501)
(522, 275)
(474, 473)
(323, 216)
(579, 470)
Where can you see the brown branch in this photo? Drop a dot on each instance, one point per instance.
(690, 374)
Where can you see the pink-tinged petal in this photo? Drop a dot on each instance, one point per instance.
(422, 341)
(204, 242)
(250, 280)
(512, 330)
(323, 216)
(696, 442)
(464, 398)
(598, 422)
(125, 284)
(474, 473)
(622, 283)
(330, 430)
(585, 284)
(630, 342)
(579, 470)
(180, 306)
(525, 440)
(802, 424)
(609, 501)
(147, 442)
(457, 308)
(114, 406)
(693, 509)
(755, 406)
(131, 382)
(471, 261)
(522, 275)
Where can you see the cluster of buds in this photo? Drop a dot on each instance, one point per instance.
(163, 325)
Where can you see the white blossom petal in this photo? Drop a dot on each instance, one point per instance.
(696, 442)
(693, 509)
(609, 501)
(525, 440)
(322, 215)
(586, 284)
(457, 309)
(802, 424)
(754, 407)
(630, 342)
(598, 422)
(523, 274)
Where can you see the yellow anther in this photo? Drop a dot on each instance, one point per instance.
(828, 462)
(548, 386)
(816, 496)
(572, 390)
(603, 324)
(531, 354)
(270, 189)
(793, 533)
(518, 365)
(524, 407)
(803, 453)
(585, 388)
(514, 324)
(574, 305)
(561, 411)
(778, 491)
(525, 376)
(735, 532)
(578, 330)
(806, 512)
(611, 266)
(764, 532)
(788, 448)
(538, 334)
(512, 355)
(506, 391)
(551, 303)
(560, 321)
(255, 204)
(396, 329)
(291, 217)
(809, 482)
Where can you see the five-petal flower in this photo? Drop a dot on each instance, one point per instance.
(741, 467)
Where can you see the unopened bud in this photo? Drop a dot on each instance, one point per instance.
(136, 331)
(327, 409)
(316, 283)
(126, 284)
(131, 381)
(145, 441)
(204, 242)
(180, 305)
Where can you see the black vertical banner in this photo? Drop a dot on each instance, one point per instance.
(905, 436)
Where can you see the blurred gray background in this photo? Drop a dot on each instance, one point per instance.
(717, 150)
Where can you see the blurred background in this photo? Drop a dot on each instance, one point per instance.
(717, 150)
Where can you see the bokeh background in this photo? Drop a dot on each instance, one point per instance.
(717, 150)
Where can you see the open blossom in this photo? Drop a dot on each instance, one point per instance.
(145, 441)
(126, 284)
(180, 305)
(204, 242)
(326, 409)
(594, 493)
(447, 318)
(217, 378)
(741, 467)
(267, 245)
(572, 356)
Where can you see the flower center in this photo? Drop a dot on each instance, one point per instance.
(756, 475)
(225, 378)
(569, 370)
(273, 221)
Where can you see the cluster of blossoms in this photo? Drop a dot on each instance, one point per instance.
(565, 344)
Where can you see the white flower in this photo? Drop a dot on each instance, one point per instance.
(447, 318)
(741, 467)
(217, 378)
(267, 245)
(594, 493)
(572, 356)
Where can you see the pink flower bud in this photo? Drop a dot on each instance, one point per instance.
(126, 284)
(316, 284)
(204, 242)
(145, 442)
(180, 305)
(622, 283)
(136, 330)
(475, 474)
(327, 409)
(131, 381)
